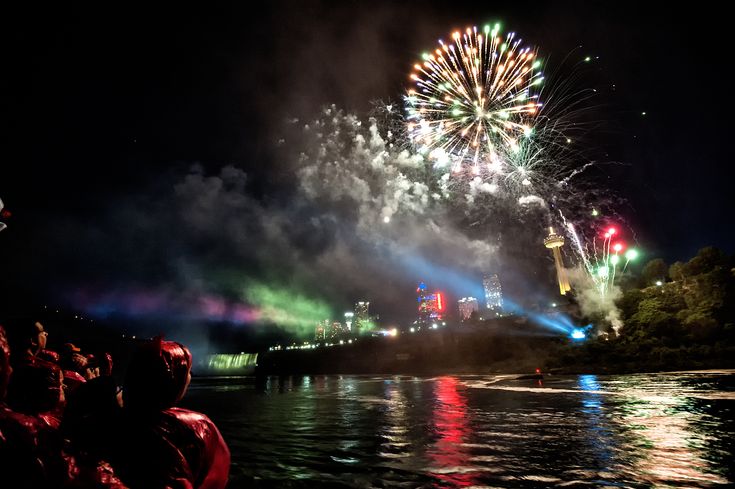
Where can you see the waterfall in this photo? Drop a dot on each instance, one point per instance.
(230, 363)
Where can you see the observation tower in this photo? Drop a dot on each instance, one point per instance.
(554, 242)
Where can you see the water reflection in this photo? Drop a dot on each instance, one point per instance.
(663, 436)
(672, 430)
(600, 441)
(592, 400)
(395, 430)
(449, 455)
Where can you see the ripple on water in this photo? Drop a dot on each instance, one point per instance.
(673, 429)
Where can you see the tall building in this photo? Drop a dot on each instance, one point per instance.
(493, 292)
(467, 305)
(336, 330)
(554, 242)
(349, 316)
(431, 306)
(361, 318)
(320, 333)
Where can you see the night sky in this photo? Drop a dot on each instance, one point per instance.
(140, 144)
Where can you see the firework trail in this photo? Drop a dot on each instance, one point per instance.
(602, 259)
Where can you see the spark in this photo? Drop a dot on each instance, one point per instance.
(600, 260)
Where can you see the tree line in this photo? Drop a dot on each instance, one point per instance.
(677, 316)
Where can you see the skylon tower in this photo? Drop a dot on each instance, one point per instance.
(554, 242)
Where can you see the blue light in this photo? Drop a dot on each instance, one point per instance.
(578, 334)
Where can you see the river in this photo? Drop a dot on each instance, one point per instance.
(643, 430)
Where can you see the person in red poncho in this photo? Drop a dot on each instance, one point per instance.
(162, 446)
(30, 447)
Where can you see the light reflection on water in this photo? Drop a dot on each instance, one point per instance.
(673, 430)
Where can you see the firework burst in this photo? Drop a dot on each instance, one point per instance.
(475, 115)
(475, 101)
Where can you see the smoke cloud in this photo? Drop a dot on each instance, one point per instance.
(355, 218)
(593, 304)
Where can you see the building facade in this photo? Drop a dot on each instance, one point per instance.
(467, 305)
(431, 305)
(320, 333)
(361, 318)
(349, 317)
(493, 293)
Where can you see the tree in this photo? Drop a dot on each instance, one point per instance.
(628, 304)
(701, 326)
(652, 324)
(707, 259)
(708, 293)
(654, 271)
(677, 271)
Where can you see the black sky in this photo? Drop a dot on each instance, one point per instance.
(103, 101)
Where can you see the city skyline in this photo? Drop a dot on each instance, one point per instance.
(432, 308)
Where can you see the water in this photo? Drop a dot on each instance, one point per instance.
(645, 430)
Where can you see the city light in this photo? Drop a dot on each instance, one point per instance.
(578, 334)
(467, 305)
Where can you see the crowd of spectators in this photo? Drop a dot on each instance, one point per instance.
(65, 422)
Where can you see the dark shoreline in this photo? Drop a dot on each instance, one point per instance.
(480, 352)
